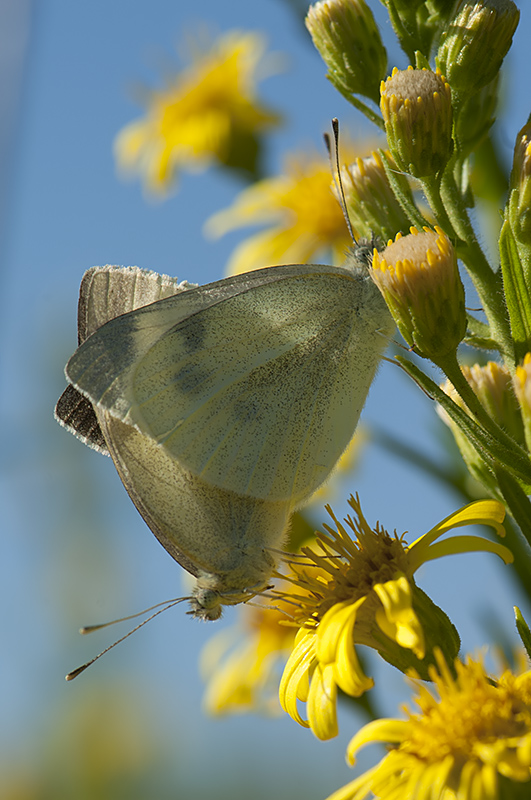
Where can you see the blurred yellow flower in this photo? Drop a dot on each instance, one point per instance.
(361, 591)
(241, 665)
(472, 742)
(208, 113)
(304, 215)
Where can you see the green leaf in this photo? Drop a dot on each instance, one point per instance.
(523, 630)
(495, 451)
(516, 292)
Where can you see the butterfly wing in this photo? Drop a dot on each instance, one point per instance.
(105, 293)
(221, 538)
(254, 383)
(226, 540)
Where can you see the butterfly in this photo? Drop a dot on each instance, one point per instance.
(225, 406)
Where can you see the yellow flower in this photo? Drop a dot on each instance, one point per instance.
(306, 219)
(241, 665)
(208, 113)
(361, 591)
(472, 742)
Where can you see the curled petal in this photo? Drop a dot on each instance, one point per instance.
(398, 619)
(322, 703)
(380, 730)
(338, 617)
(294, 682)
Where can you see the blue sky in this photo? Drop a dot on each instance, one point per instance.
(74, 549)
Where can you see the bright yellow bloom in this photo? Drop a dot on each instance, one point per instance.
(472, 742)
(241, 665)
(306, 219)
(361, 591)
(208, 113)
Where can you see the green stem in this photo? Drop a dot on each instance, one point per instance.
(519, 506)
(371, 115)
(447, 204)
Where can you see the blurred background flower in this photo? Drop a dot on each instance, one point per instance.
(74, 550)
(208, 113)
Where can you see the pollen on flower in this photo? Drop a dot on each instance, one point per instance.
(470, 709)
(466, 735)
(345, 568)
(416, 107)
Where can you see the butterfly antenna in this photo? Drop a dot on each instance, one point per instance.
(336, 172)
(90, 628)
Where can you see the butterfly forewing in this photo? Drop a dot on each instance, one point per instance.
(220, 537)
(256, 390)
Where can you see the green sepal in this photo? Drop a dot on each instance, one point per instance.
(421, 62)
(414, 24)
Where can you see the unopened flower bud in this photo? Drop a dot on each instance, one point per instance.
(417, 110)
(474, 45)
(519, 206)
(418, 277)
(522, 387)
(503, 400)
(347, 37)
(371, 203)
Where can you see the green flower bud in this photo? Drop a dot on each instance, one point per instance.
(505, 401)
(371, 203)
(476, 116)
(418, 277)
(417, 110)
(519, 206)
(474, 45)
(347, 37)
(417, 22)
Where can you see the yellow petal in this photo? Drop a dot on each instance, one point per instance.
(322, 703)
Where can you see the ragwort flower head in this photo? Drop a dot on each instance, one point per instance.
(304, 217)
(472, 742)
(241, 665)
(361, 591)
(209, 113)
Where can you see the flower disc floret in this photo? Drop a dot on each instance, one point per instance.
(465, 738)
(348, 591)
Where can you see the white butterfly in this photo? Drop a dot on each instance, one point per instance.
(225, 406)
